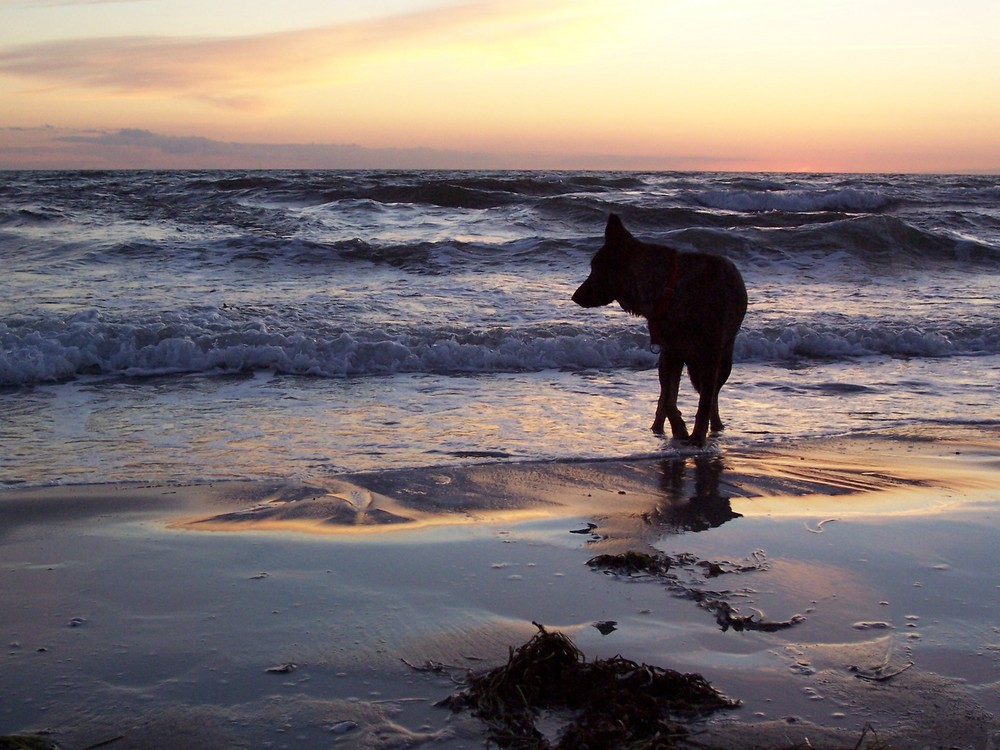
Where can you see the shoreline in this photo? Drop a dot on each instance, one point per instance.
(153, 614)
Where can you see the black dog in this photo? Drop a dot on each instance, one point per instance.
(694, 304)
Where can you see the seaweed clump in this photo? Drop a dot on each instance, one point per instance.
(662, 567)
(631, 563)
(607, 703)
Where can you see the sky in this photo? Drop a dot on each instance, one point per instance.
(732, 85)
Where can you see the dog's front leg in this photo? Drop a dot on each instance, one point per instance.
(669, 370)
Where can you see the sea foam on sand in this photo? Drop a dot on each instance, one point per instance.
(272, 614)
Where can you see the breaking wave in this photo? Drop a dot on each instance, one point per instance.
(40, 350)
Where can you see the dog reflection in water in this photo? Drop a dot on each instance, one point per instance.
(693, 498)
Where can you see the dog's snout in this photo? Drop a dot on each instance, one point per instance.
(592, 294)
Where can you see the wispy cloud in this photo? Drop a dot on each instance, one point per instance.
(244, 72)
(135, 137)
(59, 3)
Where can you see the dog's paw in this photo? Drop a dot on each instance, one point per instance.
(677, 432)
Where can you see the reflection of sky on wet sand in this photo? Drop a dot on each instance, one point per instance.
(642, 498)
(884, 547)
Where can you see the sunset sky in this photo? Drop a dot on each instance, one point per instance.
(814, 85)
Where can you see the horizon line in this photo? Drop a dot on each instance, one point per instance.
(137, 149)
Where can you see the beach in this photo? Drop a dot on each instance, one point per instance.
(257, 614)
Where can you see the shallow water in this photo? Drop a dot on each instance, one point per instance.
(264, 424)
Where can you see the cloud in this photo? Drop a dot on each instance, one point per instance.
(132, 137)
(233, 72)
(58, 3)
(128, 144)
(134, 148)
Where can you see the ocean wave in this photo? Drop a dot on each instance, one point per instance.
(27, 217)
(804, 341)
(877, 242)
(844, 200)
(52, 349)
(445, 195)
(887, 240)
(468, 189)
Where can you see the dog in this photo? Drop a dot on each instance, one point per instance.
(694, 304)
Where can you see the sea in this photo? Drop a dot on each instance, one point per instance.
(190, 326)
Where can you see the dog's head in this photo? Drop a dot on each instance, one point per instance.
(601, 287)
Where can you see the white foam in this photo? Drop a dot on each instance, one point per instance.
(848, 200)
(51, 349)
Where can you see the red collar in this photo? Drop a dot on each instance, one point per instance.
(662, 305)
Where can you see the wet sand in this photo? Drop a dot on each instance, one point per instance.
(284, 615)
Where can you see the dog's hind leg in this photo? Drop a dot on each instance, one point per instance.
(669, 370)
(705, 379)
(717, 424)
(724, 370)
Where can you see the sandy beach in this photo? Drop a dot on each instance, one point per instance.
(283, 615)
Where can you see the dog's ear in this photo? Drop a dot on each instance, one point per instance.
(615, 233)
